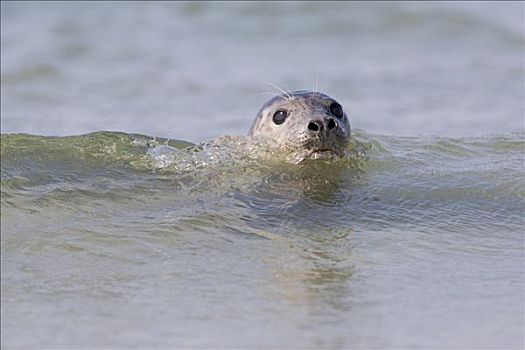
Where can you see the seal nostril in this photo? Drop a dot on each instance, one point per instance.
(313, 126)
(331, 124)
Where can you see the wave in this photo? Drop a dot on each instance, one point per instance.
(405, 165)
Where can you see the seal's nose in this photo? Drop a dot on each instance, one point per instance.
(331, 124)
(317, 126)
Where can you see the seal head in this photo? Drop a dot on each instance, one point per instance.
(303, 120)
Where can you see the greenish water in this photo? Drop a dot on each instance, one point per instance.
(119, 240)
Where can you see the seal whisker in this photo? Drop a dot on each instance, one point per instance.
(290, 93)
(322, 87)
(286, 93)
(316, 85)
(288, 119)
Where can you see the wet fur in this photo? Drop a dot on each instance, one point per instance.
(302, 107)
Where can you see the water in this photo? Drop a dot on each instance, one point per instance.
(106, 241)
(196, 71)
(132, 239)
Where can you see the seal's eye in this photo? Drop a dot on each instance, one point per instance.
(336, 110)
(280, 116)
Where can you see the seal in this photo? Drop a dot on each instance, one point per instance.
(307, 121)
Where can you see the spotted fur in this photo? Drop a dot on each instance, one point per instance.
(303, 107)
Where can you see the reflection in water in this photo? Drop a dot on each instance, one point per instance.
(298, 208)
(314, 274)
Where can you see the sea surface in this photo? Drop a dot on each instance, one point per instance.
(135, 214)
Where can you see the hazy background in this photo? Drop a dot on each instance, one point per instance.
(193, 70)
(110, 242)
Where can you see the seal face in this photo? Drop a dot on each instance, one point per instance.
(304, 120)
